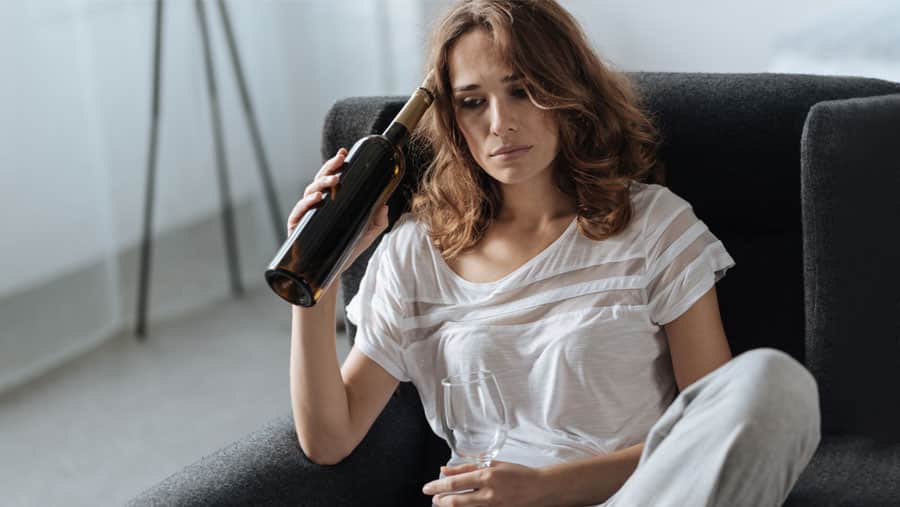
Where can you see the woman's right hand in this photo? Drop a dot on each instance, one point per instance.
(327, 180)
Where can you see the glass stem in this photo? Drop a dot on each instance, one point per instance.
(484, 462)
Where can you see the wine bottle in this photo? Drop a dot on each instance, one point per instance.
(317, 249)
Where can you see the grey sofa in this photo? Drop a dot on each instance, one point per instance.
(798, 175)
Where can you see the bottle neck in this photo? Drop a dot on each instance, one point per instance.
(396, 133)
(408, 117)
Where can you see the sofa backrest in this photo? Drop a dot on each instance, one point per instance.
(731, 147)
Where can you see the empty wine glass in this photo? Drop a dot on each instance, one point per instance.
(474, 416)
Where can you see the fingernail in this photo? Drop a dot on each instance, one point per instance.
(428, 489)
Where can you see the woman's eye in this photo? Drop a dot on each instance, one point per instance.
(520, 93)
(470, 103)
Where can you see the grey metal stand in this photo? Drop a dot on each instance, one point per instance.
(221, 156)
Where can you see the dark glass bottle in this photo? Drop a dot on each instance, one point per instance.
(317, 249)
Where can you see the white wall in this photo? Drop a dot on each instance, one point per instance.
(699, 35)
(77, 106)
(74, 131)
(55, 206)
(719, 36)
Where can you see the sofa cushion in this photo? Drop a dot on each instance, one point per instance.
(849, 471)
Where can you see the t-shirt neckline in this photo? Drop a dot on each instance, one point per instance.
(512, 274)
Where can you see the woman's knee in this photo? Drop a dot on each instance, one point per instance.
(781, 388)
(775, 362)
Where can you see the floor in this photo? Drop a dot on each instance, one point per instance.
(117, 420)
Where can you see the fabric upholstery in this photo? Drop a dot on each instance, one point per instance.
(850, 471)
(851, 217)
(268, 468)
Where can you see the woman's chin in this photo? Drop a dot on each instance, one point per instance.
(506, 179)
(512, 175)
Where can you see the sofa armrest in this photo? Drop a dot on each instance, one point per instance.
(268, 467)
(850, 161)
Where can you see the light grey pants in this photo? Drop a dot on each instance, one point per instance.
(740, 436)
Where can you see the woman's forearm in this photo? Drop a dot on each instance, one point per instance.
(592, 481)
(318, 394)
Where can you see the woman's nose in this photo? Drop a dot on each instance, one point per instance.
(502, 119)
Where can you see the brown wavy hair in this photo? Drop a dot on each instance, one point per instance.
(606, 140)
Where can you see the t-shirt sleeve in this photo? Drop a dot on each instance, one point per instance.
(684, 259)
(376, 310)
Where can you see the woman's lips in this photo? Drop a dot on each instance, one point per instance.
(512, 155)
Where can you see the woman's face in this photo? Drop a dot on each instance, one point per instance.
(511, 139)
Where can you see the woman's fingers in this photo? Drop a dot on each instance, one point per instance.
(302, 206)
(324, 181)
(380, 221)
(377, 225)
(333, 163)
(325, 176)
(462, 483)
(462, 480)
(322, 184)
(459, 469)
(468, 498)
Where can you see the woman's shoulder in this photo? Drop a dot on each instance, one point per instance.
(655, 206)
(408, 230)
(651, 191)
(406, 239)
(654, 200)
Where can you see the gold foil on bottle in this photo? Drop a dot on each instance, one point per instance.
(416, 106)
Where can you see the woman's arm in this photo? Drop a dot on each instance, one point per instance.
(697, 340)
(333, 407)
(592, 480)
(318, 394)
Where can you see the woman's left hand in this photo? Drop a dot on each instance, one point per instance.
(501, 484)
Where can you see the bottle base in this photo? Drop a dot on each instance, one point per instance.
(290, 287)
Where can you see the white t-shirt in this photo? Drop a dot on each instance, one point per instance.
(573, 336)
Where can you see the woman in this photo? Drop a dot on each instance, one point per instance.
(538, 249)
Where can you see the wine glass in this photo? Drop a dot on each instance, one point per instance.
(474, 416)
